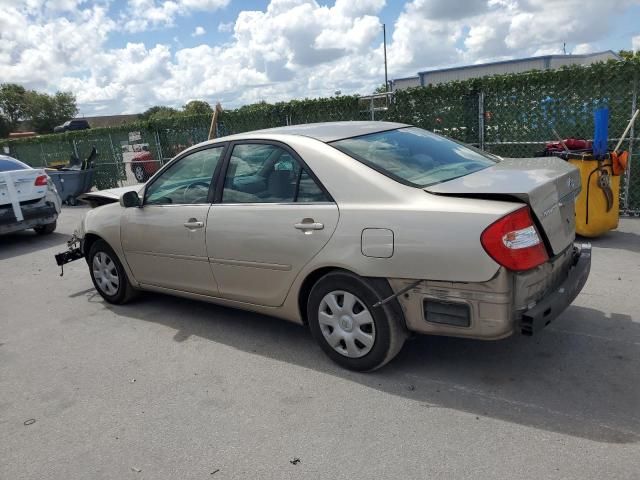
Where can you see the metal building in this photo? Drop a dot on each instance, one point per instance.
(545, 62)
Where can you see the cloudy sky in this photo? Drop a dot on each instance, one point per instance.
(123, 56)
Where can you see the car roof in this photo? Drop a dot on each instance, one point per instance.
(331, 131)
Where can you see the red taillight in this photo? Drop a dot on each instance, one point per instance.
(514, 242)
(41, 181)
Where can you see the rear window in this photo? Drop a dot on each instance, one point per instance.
(414, 156)
(8, 164)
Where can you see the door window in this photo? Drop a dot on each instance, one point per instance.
(260, 173)
(187, 181)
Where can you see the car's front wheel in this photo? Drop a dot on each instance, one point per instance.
(350, 330)
(108, 275)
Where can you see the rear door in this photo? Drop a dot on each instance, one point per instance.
(164, 240)
(272, 216)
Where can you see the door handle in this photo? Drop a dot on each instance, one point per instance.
(192, 223)
(308, 224)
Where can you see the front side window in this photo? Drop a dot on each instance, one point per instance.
(187, 181)
(414, 156)
(260, 173)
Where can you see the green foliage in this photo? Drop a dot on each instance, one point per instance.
(13, 103)
(43, 111)
(158, 112)
(197, 107)
(46, 111)
(380, 89)
(5, 128)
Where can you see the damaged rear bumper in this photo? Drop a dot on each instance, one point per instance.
(34, 214)
(509, 303)
(553, 304)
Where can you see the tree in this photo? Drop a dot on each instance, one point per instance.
(5, 129)
(46, 111)
(628, 54)
(197, 107)
(13, 102)
(157, 112)
(381, 89)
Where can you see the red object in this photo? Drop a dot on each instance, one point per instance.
(41, 181)
(514, 242)
(571, 143)
(143, 165)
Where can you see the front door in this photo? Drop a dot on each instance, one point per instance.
(164, 240)
(272, 219)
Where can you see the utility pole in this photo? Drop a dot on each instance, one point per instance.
(384, 41)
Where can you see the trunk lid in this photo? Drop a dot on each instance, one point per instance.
(548, 185)
(17, 186)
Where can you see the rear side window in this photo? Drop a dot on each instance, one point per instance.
(8, 164)
(414, 156)
(264, 173)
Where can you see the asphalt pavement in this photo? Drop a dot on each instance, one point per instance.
(168, 388)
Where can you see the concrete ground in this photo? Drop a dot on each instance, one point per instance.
(167, 388)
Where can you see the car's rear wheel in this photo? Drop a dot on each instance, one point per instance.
(108, 275)
(350, 330)
(139, 173)
(46, 229)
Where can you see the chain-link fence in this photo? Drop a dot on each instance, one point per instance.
(515, 115)
(510, 115)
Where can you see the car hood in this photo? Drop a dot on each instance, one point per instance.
(110, 195)
(548, 185)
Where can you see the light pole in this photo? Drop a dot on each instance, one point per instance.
(384, 43)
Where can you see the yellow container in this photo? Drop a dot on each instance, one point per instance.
(592, 217)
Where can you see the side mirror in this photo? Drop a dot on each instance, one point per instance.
(130, 199)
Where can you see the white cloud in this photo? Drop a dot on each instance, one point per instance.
(635, 43)
(583, 48)
(142, 15)
(292, 49)
(225, 27)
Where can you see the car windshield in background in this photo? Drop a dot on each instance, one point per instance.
(414, 156)
(9, 164)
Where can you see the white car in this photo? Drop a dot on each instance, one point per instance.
(365, 231)
(28, 198)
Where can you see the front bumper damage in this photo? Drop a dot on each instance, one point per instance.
(73, 253)
(509, 303)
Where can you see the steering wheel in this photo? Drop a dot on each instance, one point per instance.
(194, 185)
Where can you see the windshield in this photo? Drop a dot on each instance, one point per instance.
(414, 156)
(8, 164)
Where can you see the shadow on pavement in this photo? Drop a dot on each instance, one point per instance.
(28, 241)
(578, 377)
(617, 240)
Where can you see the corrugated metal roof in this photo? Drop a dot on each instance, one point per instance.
(518, 60)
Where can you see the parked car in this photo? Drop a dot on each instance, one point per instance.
(364, 231)
(143, 166)
(70, 125)
(28, 199)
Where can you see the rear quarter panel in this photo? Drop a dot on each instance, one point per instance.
(435, 237)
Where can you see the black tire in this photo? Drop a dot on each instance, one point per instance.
(71, 201)
(47, 228)
(387, 329)
(124, 290)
